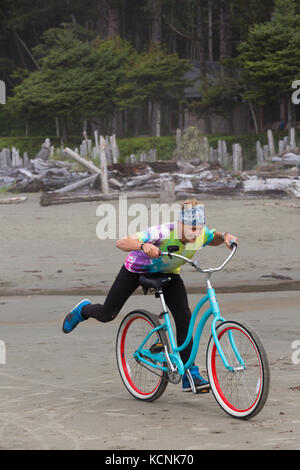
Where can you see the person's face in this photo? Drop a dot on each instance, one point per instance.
(189, 233)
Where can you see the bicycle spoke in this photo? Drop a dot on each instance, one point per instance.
(238, 390)
(139, 378)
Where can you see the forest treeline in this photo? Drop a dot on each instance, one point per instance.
(117, 64)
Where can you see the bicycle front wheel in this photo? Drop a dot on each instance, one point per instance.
(142, 381)
(241, 393)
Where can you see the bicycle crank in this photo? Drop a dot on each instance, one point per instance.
(174, 377)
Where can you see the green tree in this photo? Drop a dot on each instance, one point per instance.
(77, 78)
(153, 76)
(247, 13)
(220, 95)
(270, 57)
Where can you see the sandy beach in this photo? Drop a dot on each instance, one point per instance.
(55, 249)
(64, 391)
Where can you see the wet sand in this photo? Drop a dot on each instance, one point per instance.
(64, 391)
(55, 249)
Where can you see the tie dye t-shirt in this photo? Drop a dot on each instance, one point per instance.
(163, 236)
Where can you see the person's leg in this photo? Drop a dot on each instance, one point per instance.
(123, 287)
(177, 301)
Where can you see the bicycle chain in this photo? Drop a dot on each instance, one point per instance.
(158, 375)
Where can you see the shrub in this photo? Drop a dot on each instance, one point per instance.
(164, 146)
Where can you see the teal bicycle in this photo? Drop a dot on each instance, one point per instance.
(148, 357)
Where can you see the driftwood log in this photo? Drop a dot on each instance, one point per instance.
(13, 200)
(87, 164)
(167, 191)
(77, 185)
(52, 198)
(103, 166)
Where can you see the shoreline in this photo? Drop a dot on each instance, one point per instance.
(245, 287)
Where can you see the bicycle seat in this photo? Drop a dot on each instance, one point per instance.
(153, 281)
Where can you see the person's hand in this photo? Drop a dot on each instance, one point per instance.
(151, 250)
(228, 238)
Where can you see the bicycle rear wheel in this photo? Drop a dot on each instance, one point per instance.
(241, 393)
(142, 381)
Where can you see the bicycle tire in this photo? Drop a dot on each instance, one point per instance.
(133, 373)
(242, 393)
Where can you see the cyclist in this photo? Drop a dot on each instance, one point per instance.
(190, 233)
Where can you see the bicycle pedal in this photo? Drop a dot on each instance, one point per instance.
(156, 348)
(204, 390)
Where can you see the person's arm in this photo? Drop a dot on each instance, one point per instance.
(132, 242)
(129, 243)
(224, 237)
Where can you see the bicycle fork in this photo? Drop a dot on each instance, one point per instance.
(217, 317)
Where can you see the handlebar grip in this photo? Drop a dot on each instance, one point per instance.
(162, 253)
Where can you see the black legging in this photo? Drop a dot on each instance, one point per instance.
(123, 287)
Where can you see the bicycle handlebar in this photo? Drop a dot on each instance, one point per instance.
(196, 263)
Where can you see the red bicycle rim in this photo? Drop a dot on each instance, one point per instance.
(124, 365)
(215, 376)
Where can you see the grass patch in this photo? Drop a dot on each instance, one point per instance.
(7, 189)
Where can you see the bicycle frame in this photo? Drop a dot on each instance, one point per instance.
(152, 359)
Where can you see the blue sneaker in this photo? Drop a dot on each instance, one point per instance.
(201, 385)
(72, 319)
